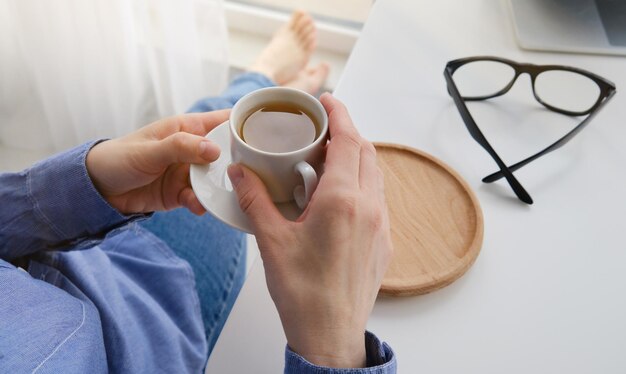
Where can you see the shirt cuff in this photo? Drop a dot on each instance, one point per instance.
(65, 199)
(380, 360)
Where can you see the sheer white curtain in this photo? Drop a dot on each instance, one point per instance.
(74, 70)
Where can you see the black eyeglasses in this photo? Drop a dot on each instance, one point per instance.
(484, 77)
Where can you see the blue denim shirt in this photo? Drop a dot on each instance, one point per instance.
(100, 294)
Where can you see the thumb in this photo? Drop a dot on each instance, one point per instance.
(182, 147)
(254, 199)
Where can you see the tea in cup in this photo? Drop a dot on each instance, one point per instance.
(280, 133)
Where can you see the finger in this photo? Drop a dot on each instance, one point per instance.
(368, 169)
(181, 147)
(211, 120)
(168, 189)
(381, 187)
(188, 199)
(255, 201)
(193, 123)
(175, 190)
(344, 150)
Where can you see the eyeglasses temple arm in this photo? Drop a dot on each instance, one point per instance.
(554, 146)
(475, 132)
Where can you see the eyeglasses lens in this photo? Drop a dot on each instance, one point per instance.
(478, 79)
(567, 90)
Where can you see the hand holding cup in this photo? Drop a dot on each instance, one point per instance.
(324, 270)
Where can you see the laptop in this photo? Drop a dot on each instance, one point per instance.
(577, 26)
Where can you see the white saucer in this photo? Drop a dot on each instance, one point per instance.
(212, 187)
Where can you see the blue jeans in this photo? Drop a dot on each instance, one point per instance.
(216, 252)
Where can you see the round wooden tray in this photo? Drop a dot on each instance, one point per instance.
(436, 221)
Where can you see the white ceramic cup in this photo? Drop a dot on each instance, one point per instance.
(290, 175)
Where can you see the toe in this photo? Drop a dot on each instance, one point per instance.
(296, 18)
(317, 75)
(309, 44)
(303, 24)
(321, 70)
(307, 30)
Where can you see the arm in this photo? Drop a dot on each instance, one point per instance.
(324, 270)
(76, 197)
(51, 205)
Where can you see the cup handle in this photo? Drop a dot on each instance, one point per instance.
(302, 194)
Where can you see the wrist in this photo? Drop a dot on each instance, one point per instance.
(98, 166)
(93, 163)
(332, 350)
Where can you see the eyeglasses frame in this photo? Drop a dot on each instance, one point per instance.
(607, 90)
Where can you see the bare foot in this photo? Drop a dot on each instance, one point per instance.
(289, 50)
(310, 79)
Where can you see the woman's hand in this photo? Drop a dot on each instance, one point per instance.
(324, 271)
(148, 170)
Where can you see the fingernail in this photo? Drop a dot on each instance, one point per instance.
(235, 173)
(205, 149)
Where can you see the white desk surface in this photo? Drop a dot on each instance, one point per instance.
(548, 291)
